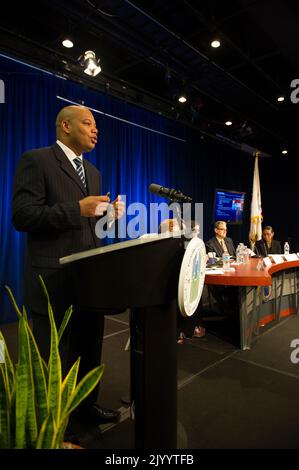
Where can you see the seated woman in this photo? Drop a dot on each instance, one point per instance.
(169, 225)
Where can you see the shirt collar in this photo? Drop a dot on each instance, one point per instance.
(69, 152)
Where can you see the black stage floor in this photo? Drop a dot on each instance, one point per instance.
(227, 398)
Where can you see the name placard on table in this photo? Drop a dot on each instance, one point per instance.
(267, 261)
(291, 257)
(277, 259)
(214, 271)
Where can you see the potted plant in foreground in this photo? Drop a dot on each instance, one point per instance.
(35, 400)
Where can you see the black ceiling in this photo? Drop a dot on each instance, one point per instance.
(151, 49)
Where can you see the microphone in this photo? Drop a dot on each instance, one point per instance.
(172, 194)
(258, 254)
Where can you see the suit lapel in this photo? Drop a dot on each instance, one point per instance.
(89, 179)
(67, 167)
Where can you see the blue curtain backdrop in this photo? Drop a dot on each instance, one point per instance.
(129, 157)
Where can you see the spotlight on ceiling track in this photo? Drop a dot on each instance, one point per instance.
(280, 98)
(182, 99)
(67, 42)
(215, 43)
(228, 123)
(90, 63)
(284, 151)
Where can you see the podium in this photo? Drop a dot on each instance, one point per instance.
(141, 275)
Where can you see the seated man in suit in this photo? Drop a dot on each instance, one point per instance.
(225, 296)
(267, 245)
(220, 242)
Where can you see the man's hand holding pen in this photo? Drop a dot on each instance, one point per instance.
(118, 209)
(92, 206)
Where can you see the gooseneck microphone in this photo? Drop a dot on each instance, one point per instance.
(172, 194)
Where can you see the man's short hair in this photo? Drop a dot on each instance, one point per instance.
(219, 222)
(268, 227)
(194, 223)
(167, 225)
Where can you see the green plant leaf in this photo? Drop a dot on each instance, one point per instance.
(10, 370)
(54, 366)
(25, 313)
(61, 432)
(13, 301)
(47, 435)
(87, 384)
(12, 414)
(64, 322)
(44, 288)
(7, 384)
(55, 374)
(45, 367)
(40, 381)
(34, 403)
(3, 444)
(4, 411)
(31, 423)
(69, 385)
(22, 379)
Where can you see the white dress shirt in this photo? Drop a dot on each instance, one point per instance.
(70, 155)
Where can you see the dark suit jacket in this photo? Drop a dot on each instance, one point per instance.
(45, 204)
(262, 249)
(214, 245)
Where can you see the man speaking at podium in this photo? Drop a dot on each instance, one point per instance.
(55, 198)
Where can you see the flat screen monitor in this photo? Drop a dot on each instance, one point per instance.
(229, 206)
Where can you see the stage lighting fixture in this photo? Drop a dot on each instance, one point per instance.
(90, 63)
(67, 42)
(182, 99)
(215, 43)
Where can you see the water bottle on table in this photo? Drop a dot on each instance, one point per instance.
(239, 254)
(286, 248)
(225, 261)
(245, 255)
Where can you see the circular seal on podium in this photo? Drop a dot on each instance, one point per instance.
(192, 277)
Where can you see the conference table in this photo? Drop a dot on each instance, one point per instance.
(265, 294)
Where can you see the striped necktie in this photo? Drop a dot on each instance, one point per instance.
(223, 245)
(79, 168)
